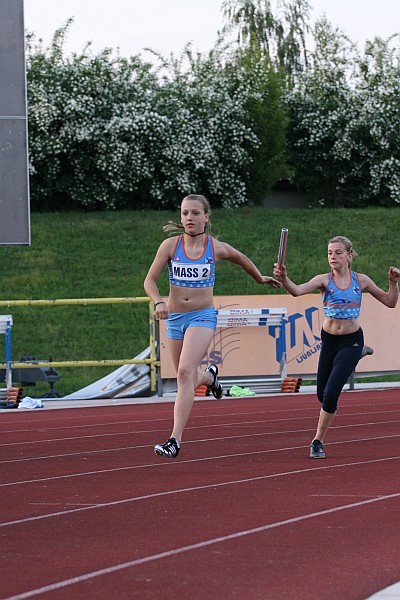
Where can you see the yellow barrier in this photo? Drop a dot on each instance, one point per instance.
(153, 361)
(81, 301)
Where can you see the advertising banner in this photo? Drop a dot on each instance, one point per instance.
(245, 350)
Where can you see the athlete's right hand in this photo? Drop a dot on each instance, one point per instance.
(280, 273)
(161, 311)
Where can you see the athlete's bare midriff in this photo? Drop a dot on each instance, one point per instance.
(186, 299)
(340, 326)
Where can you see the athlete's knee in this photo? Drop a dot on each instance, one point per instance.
(186, 373)
(330, 402)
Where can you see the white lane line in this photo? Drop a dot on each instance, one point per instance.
(231, 437)
(195, 489)
(268, 422)
(239, 534)
(194, 460)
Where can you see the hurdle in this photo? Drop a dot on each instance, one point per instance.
(256, 317)
(250, 317)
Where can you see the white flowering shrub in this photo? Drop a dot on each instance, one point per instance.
(210, 138)
(320, 110)
(378, 87)
(344, 123)
(109, 132)
(92, 128)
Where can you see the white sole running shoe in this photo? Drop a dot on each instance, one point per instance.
(215, 387)
(316, 449)
(168, 450)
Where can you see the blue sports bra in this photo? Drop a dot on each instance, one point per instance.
(192, 272)
(343, 304)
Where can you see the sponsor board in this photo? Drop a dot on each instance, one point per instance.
(248, 346)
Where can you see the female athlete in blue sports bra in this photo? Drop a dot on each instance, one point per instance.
(342, 336)
(189, 309)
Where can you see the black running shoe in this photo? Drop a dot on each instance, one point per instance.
(367, 351)
(168, 450)
(215, 387)
(316, 449)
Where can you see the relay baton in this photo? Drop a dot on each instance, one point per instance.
(282, 247)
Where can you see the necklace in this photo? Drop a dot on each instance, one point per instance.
(195, 234)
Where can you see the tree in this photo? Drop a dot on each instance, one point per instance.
(277, 32)
(267, 118)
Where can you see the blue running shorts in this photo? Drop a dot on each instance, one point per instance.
(177, 323)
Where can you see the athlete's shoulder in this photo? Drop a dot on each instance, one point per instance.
(168, 246)
(213, 240)
(223, 249)
(322, 280)
(363, 279)
(324, 277)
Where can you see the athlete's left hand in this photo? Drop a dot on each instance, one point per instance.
(394, 274)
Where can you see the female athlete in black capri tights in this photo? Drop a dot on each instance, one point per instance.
(338, 359)
(342, 336)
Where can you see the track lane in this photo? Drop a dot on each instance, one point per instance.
(228, 484)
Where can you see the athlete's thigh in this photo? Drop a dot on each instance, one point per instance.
(175, 349)
(344, 364)
(195, 345)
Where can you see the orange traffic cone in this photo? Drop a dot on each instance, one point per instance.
(291, 384)
(202, 390)
(12, 397)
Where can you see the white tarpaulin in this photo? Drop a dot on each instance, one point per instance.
(125, 382)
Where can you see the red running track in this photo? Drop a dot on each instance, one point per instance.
(88, 511)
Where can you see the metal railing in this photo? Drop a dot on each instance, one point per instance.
(152, 361)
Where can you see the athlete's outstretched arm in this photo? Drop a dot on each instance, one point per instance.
(224, 251)
(319, 282)
(388, 298)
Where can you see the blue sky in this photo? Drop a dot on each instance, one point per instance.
(166, 25)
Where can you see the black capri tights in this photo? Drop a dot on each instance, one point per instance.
(338, 359)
